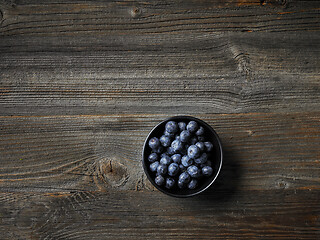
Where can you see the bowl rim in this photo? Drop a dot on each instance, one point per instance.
(190, 118)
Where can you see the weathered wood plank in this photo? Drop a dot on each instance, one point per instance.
(73, 153)
(155, 74)
(144, 17)
(285, 214)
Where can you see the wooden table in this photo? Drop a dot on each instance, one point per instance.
(82, 83)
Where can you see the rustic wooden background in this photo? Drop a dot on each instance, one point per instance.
(83, 82)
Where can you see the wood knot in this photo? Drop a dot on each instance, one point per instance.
(242, 60)
(113, 173)
(250, 132)
(282, 184)
(135, 12)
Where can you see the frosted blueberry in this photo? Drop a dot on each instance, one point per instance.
(173, 169)
(202, 159)
(162, 169)
(182, 126)
(201, 146)
(170, 135)
(165, 160)
(185, 136)
(159, 180)
(153, 157)
(170, 151)
(182, 168)
(184, 177)
(153, 166)
(176, 146)
(193, 151)
(200, 131)
(193, 184)
(209, 146)
(154, 143)
(207, 171)
(170, 183)
(186, 161)
(165, 141)
(172, 127)
(176, 158)
(193, 171)
(192, 126)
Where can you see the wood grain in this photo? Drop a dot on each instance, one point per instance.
(66, 153)
(149, 215)
(83, 82)
(155, 75)
(145, 17)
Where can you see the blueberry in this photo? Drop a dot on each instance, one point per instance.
(153, 166)
(158, 150)
(202, 159)
(181, 184)
(171, 127)
(173, 169)
(165, 140)
(185, 136)
(207, 171)
(186, 161)
(165, 159)
(154, 143)
(182, 168)
(207, 163)
(162, 169)
(176, 158)
(170, 135)
(192, 126)
(182, 126)
(201, 146)
(209, 146)
(193, 171)
(170, 183)
(193, 184)
(193, 151)
(201, 138)
(170, 151)
(159, 180)
(176, 145)
(184, 177)
(153, 157)
(177, 137)
(193, 140)
(200, 131)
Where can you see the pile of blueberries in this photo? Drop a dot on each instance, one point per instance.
(179, 158)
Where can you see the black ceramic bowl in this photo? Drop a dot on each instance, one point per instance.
(216, 157)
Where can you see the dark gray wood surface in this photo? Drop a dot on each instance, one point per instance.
(83, 82)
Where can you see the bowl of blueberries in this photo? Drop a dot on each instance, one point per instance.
(182, 156)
